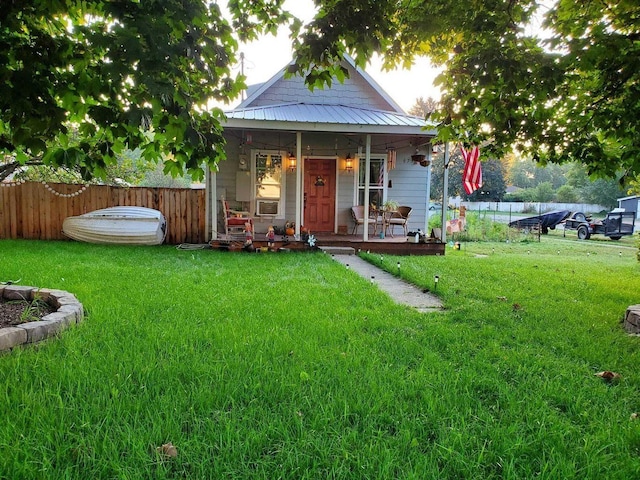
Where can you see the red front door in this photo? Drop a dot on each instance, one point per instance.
(319, 194)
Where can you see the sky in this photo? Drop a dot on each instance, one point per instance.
(264, 58)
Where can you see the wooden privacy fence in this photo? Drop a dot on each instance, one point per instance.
(32, 211)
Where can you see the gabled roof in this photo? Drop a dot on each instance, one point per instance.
(256, 91)
(368, 108)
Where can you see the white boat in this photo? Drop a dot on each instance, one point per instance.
(118, 225)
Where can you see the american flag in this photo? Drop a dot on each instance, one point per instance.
(472, 176)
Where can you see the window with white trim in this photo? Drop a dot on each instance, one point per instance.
(268, 186)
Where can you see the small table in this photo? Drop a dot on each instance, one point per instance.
(386, 216)
(381, 216)
(377, 215)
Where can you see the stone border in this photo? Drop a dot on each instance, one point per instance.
(69, 311)
(632, 319)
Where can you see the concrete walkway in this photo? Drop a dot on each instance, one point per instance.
(400, 291)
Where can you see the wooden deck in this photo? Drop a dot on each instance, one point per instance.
(390, 245)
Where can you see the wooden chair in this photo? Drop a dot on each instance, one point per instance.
(235, 219)
(357, 214)
(399, 217)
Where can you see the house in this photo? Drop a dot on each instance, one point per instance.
(630, 204)
(295, 155)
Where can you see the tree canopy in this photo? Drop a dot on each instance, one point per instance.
(572, 95)
(122, 74)
(139, 75)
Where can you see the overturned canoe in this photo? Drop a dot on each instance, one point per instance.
(545, 221)
(118, 225)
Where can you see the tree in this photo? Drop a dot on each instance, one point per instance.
(543, 192)
(599, 191)
(528, 174)
(522, 174)
(456, 166)
(494, 186)
(128, 169)
(157, 178)
(572, 96)
(125, 74)
(424, 108)
(567, 194)
(603, 192)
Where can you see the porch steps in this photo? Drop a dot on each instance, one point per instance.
(335, 250)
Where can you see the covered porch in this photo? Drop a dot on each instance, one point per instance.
(316, 187)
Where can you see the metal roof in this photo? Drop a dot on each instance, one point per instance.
(305, 116)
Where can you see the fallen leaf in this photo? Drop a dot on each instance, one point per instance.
(634, 416)
(516, 307)
(503, 299)
(608, 376)
(168, 450)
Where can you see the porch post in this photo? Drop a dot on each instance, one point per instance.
(428, 193)
(367, 178)
(445, 192)
(212, 204)
(299, 183)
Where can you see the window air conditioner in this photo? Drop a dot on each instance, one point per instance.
(267, 207)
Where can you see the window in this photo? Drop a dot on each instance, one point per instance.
(268, 186)
(376, 181)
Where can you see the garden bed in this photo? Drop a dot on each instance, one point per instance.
(30, 314)
(15, 312)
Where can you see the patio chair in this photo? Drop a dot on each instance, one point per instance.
(399, 217)
(235, 219)
(357, 214)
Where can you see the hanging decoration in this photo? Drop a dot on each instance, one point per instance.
(13, 183)
(391, 159)
(418, 157)
(65, 195)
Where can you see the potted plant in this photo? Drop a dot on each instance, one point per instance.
(390, 206)
(418, 158)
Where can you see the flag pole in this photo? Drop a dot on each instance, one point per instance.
(445, 193)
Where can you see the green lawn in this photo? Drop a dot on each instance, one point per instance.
(290, 366)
